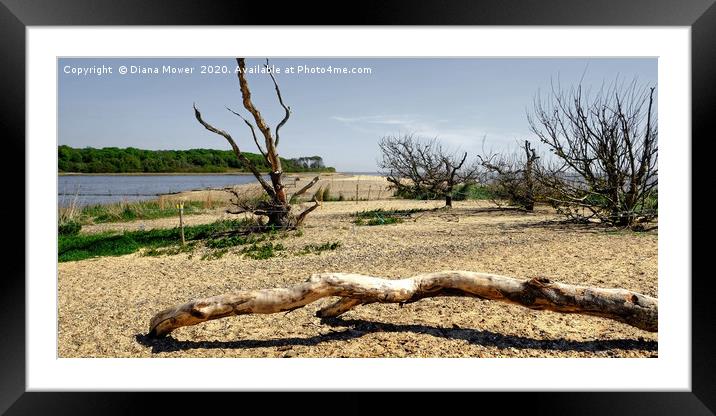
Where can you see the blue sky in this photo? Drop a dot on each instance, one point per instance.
(340, 117)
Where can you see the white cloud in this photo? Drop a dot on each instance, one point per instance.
(454, 134)
(380, 119)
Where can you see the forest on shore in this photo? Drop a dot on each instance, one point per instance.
(133, 160)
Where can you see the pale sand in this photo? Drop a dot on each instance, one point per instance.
(105, 304)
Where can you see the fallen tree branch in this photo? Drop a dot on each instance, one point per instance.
(622, 305)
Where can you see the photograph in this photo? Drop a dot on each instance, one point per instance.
(365, 207)
(437, 197)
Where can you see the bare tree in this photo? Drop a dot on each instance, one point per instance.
(511, 177)
(606, 151)
(423, 168)
(275, 205)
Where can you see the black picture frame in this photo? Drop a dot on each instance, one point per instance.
(16, 15)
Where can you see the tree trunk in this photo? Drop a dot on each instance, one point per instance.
(622, 305)
(448, 199)
(278, 217)
(531, 156)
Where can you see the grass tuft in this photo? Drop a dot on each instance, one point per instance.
(263, 251)
(384, 217)
(69, 228)
(472, 191)
(214, 254)
(318, 249)
(168, 251)
(138, 210)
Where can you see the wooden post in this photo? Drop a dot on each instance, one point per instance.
(356, 192)
(208, 203)
(369, 186)
(180, 205)
(380, 191)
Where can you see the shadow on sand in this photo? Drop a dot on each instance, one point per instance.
(356, 328)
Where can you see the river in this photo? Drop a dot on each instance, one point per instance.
(106, 189)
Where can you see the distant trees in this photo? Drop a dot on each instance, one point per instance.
(422, 168)
(131, 160)
(605, 148)
(308, 162)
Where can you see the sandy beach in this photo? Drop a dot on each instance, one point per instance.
(105, 304)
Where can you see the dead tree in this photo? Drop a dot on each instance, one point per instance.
(275, 206)
(420, 168)
(622, 305)
(605, 147)
(511, 177)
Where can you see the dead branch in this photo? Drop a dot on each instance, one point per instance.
(305, 188)
(622, 305)
(253, 133)
(260, 122)
(280, 100)
(302, 216)
(244, 160)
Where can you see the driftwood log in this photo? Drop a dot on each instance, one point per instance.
(622, 305)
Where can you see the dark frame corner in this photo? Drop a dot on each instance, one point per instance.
(15, 15)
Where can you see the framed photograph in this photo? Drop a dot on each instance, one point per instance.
(454, 203)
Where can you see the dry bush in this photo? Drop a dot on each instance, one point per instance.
(605, 150)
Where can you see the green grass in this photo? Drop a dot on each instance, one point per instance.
(217, 238)
(84, 246)
(378, 220)
(214, 254)
(460, 192)
(263, 251)
(630, 232)
(319, 248)
(138, 210)
(69, 228)
(651, 203)
(80, 247)
(384, 217)
(169, 251)
(235, 240)
(471, 191)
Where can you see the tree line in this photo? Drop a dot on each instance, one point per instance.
(132, 160)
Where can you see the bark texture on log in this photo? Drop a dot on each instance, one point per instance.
(622, 305)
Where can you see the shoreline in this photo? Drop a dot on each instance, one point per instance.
(372, 186)
(185, 173)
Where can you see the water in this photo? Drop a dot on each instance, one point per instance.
(363, 173)
(105, 189)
